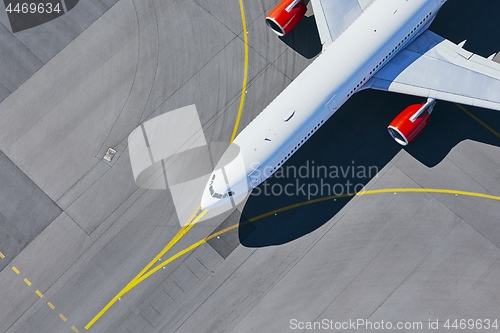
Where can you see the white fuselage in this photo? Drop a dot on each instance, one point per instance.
(379, 33)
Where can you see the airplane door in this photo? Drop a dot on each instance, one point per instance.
(332, 105)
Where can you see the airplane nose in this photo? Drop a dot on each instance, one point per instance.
(216, 193)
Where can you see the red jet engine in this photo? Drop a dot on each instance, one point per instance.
(409, 123)
(285, 16)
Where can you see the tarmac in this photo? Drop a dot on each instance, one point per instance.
(76, 229)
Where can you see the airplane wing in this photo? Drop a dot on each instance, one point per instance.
(334, 16)
(432, 66)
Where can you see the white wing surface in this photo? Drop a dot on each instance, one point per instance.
(334, 16)
(432, 66)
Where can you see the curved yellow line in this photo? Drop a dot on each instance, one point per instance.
(191, 222)
(144, 274)
(259, 217)
(245, 71)
(371, 192)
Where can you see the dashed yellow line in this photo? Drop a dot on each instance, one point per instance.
(473, 116)
(245, 71)
(2, 255)
(39, 293)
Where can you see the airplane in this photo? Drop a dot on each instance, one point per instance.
(378, 44)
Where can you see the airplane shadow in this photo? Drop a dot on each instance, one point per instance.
(304, 38)
(356, 136)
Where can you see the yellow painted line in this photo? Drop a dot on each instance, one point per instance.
(182, 252)
(27, 282)
(191, 218)
(15, 270)
(75, 329)
(39, 293)
(143, 275)
(133, 283)
(172, 242)
(2, 256)
(297, 205)
(431, 190)
(51, 305)
(473, 116)
(62, 317)
(245, 71)
(223, 231)
(369, 192)
(168, 261)
(141, 278)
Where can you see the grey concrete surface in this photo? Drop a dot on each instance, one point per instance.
(227, 242)
(4, 19)
(392, 256)
(25, 210)
(18, 62)
(24, 52)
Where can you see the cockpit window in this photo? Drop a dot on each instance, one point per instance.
(218, 195)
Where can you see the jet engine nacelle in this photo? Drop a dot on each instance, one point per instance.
(409, 123)
(285, 16)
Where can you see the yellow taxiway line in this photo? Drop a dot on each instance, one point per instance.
(134, 282)
(297, 205)
(144, 274)
(245, 71)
